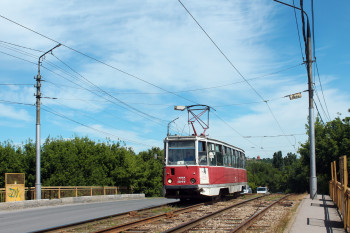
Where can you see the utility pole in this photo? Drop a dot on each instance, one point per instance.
(38, 143)
(313, 177)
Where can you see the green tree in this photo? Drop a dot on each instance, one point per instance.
(332, 141)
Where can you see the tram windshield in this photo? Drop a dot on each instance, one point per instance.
(181, 152)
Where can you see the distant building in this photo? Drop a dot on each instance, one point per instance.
(258, 158)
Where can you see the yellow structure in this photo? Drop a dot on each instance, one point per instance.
(14, 186)
(339, 190)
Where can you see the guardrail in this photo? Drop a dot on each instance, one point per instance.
(339, 190)
(56, 192)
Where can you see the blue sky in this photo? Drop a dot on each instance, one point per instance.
(151, 55)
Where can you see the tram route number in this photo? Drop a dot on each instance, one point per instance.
(181, 179)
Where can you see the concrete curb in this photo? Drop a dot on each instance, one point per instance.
(67, 200)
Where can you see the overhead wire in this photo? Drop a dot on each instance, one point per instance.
(126, 73)
(296, 21)
(315, 61)
(83, 80)
(47, 109)
(234, 67)
(95, 59)
(324, 100)
(111, 96)
(13, 102)
(319, 113)
(83, 54)
(21, 46)
(199, 89)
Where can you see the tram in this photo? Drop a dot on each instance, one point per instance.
(198, 166)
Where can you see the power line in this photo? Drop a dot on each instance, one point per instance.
(18, 58)
(111, 96)
(97, 60)
(319, 113)
(192, 90)
(126, 73)
(324, 100)
(233, 129)
(234, 67)
(296, 21)
(47, 109)
(12, 102)
(224, 55)
(21, 46)
(324, 112)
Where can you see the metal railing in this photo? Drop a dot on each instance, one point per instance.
(339, 190)
(56, 192)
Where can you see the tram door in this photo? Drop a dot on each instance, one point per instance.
(203, 160)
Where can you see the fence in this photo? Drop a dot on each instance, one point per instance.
(54, 192)
(339, 190)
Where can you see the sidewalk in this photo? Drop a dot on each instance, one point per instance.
(318, 215)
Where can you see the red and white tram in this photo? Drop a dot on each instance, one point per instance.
(197, 166)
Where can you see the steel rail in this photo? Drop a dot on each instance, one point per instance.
(196, 222)
(133, 224)
(250, 221)
(99, 219)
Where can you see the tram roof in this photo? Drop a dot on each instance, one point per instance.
(173, 138)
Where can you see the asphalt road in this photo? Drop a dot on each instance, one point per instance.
(41, 218)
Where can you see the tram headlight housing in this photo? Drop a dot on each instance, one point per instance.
(170, 181)
(193, 180)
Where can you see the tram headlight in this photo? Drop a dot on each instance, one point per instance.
(170, 181)
(193, 180)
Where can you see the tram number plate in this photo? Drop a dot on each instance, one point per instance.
(181, 180)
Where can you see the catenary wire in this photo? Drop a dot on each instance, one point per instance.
(13, 102)
(111, 96)
(47, 109)
(97, 60)
(234, 67)
(126, 73)
(324, 100)
(296, 21)
(21, 46)
(319, 113)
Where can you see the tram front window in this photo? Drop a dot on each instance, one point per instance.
(181, 152)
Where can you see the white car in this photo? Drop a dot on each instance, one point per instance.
(262, 190)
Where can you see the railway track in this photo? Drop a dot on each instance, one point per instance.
(228, 216)
(153, 224)
(223, 220)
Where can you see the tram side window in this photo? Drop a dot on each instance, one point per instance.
(202, 153)
(219, 157)
(234, 158)
(212, 154)
(228, 157)
(225, 156)
(238, 159)
(181, 152)
(232, 151)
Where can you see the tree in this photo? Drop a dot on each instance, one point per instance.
(332, 141)
(277, 160)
